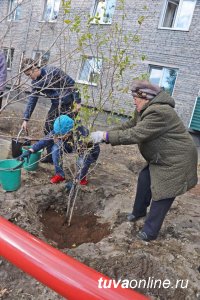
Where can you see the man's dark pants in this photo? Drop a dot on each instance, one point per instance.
(1, 99)
(55, 112)
(158, 209)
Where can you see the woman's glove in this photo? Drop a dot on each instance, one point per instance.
(99, 136)
(24, 155)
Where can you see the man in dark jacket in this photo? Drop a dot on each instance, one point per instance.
(3, 75)
(167, 147)
(53, 83)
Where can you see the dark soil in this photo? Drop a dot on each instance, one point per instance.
(83, 229)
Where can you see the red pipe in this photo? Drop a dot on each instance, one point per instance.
(65, 275)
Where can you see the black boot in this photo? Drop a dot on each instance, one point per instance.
(47, 159)
(144, 237)
(133, 218)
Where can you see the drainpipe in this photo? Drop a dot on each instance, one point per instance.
(25, 41)
(63, 274)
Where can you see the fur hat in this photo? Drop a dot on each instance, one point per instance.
(145, 89)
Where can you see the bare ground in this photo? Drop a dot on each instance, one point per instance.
(175, 255)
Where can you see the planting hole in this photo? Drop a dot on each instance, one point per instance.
(83, 229)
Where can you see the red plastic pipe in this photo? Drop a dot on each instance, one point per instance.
(65, 275)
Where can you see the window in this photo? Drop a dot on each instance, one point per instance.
(103, 11)
(14, 10)
(51, 10)
(195, 120)
(164, 77)
(9, 53)
(178, 14)
(90, 70)
(41, 57)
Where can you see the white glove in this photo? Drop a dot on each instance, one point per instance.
(97, 136)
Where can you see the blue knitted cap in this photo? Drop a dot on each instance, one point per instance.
(63, 124)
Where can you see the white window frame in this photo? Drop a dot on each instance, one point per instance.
(93, 14)
(160, 26)
(161, 78)
(89, 73)
(12, 16)
(50, 18)
(41, 53)
(8, 55)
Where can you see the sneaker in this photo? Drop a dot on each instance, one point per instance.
(133, 218)
(84, 181)
(57, 178)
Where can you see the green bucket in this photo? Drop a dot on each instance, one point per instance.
(33, 162)
(10, 178)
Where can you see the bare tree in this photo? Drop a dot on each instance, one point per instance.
(102, 54)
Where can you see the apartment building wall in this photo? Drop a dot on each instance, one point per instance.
(162, 47)
(178, 49)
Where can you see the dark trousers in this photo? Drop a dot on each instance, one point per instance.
(55, 112)
(84, 163)
(158, 209)
(1, 99)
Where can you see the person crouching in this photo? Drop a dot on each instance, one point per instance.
(67, 137)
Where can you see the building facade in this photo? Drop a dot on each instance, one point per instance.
(161, 39)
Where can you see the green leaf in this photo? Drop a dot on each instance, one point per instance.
(141, 20)
(68, 21)
(143, 57)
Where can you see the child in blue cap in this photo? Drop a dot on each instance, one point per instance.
(69, 138)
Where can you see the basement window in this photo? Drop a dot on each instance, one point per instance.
(195, 119)
(9, 54)
(51, 10)
(103, 11)
(164, 77)
(90, 70)
(14, 10)
(178, 14)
